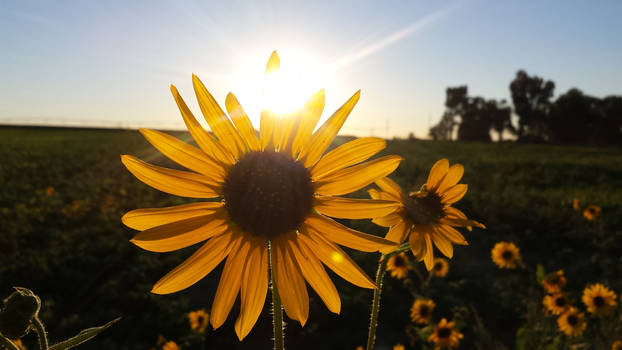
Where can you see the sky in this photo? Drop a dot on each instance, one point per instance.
(110, 63)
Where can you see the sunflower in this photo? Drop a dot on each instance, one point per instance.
(421, 311)
(273, 189)
(199, 320)
(591, 212)
(506, 255)
(427, 216)
(170, 345)
(617, 345)
(556, 303)
(576, 204)
(554, 282)
(440, 267)
(571, 322)
(445, 336)
(398, 347)
(398, 265)
(599, 299)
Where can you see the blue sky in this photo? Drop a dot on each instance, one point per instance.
(111, 63)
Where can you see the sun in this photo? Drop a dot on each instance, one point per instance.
(283, 91)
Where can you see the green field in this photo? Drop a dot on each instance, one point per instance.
(70, 247)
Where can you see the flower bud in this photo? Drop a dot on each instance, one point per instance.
(17, 312)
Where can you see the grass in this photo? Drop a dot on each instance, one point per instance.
(71, 248)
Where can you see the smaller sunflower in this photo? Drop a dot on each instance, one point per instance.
(398, 347)
(617, 345)
(445, 336)
(440, 268)
(591, 212)
(506, 255)
(599, 299)
(199, 320)
(576, 205)
(554, 282)
(556, 304)
(398, 265)
(170, 345)
(421, 311)
(571, 322)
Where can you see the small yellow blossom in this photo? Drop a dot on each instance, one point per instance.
(599, 299)
(421, 311)
(506, 255)
(49, 191)
(591, 212)
(554, 282)
(398, 265)
(170, 345)
(199, 320)
(556, 304)
(398, 347)
(440, 267)
(576, 205)
(445, 336)
(572, 322)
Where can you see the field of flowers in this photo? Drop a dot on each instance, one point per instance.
(63, 192)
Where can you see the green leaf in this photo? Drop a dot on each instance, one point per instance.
(83, 336)
(540, 273)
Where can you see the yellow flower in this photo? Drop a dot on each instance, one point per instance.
(398, 265)
(576, 205)
(591, 212)
(19, 344)
(554, 282)
(427, 216)
(398, 347)
(599, 299)
(445, 336)
(49, 191)
(421, 311)
(170, 345)
(199, 320)
(571, 322)
(359, 347)
(273, 189)
(556, 303)
(440, 267)
(506, 255)
(617, 345)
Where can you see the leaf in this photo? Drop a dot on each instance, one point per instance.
(84, 335)
(540, 273)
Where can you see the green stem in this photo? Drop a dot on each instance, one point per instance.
(375, 307)
(43, 339)
(7, 343)
(277, 309)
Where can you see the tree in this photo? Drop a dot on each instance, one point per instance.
(531, 97)
(501, 115)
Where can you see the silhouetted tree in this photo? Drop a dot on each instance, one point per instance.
(573, 118)
(501, 115)
(531, 97)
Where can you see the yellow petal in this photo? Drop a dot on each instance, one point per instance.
(309, 116)
(375, 194)
(289, 281)
(274, 63)
(454, 174)
(454, 194)
(348, 154)
(197, 266)
(142, 219)
(346, 236)
(438, 171)
(323, 137)
(205, 141)
(185, 154)
(453, 235)
(442, 243)
(229, 285)
(242, 123)
(254, 287)
(318, 279)
(177, 182)
(217, 119)
(355, 177)
(335, 258)
(417, 245)
(289, 125)
(388, 186)
(398, 233)
(389, 220)
(181, 234)
(429, 252)
(350, 208)
(267, 127)
(453, 213)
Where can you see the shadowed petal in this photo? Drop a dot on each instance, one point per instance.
(254, 287)
(242, 123)
(390, 187)
(350, 208)
(454, 194)
(142, 219)
(438, 171)
(289, 280)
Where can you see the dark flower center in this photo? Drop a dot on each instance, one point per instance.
(268, 193)
(507, 255)
(443, 332)
(423, 310)
(554, 280)
(572, 320)
(561, 301)
(200, 320)
(399, 261)
(599, 301)
(424, 208)
(438, 266)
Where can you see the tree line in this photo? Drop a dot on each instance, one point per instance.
(572, 118)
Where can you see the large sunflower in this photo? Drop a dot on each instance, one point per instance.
(427, 216)
(273, 190)
(572, 322)
(599, 299)
(445, 335)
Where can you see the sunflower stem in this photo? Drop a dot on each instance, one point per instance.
(375, 307)
(277, 309)
(7, 343)
(40, 329)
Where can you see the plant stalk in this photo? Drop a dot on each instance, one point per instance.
(277, 309)
(40, 329)
(375, 307)
(7, 343)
